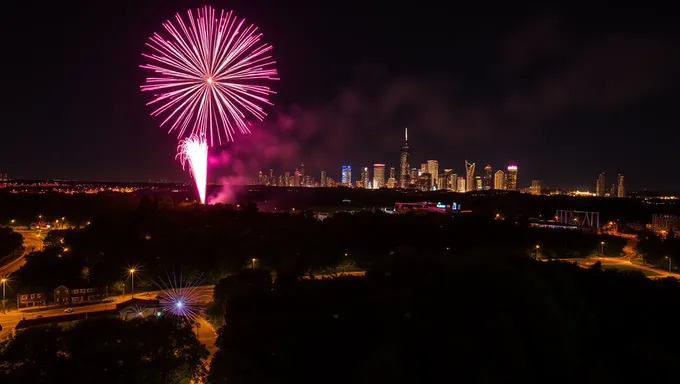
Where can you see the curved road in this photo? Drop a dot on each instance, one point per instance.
(32, 242)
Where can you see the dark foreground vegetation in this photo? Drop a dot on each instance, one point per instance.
(416, 318)
(106, 350)
(216, 241)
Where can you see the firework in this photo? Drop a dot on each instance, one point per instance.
(182, 297)
(194, 150)
(209, 72)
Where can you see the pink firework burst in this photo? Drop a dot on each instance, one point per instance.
(194, 150)
(209, 72)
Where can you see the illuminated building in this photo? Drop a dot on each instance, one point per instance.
(302, 170)
(280, 183)
(323, 178)
(478, 183)
(499, 180)
(286, 177)
(391, 181)
(423, 168)
(296, 178)
(433, 170)
(378, 176)
(364, 178)
(441, 182)
(511, 178)
(424, 182)
(404, 162)
(620, 188)
(461, 184)
(448, 183)
(347, 175)
(488, 177)
(259, 178)
(536, 187)
(600, 185)
(414, 176)
(271, 176)
(469, 176)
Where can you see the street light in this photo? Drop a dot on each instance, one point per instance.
(253, 264)
(601, 248)
(4, 283)
(538, 247)
(132, 274)
(665, 257)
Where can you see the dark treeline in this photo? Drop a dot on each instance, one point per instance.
(421, 318)
(157, 237)
(657, 249)
(80, 208)
(104, 350)
(10, 241)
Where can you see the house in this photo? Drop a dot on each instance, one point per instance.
(32, 299)
(85, 295)
(63, 295)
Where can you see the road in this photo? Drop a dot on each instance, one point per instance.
(625, 260)
(10, 320)
(32, 242)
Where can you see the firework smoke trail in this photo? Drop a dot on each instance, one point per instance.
(182, 297)
(209, 74)
(195, 151)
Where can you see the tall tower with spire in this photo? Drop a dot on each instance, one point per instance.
(404, 162)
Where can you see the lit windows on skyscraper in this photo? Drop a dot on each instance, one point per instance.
(347, 175)
(365, 182)
(499, 180)
(378, 176)
(511, 178)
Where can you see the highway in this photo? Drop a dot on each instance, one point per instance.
(32, 242)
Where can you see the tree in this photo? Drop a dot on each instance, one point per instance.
(105, 350)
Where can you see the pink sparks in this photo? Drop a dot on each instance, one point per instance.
(195, 150)
(208, 74)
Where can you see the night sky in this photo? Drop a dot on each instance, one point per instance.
(565, 93)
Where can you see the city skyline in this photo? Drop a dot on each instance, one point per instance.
(421, 178)
(559, 91)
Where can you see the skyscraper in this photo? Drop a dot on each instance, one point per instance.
(404, 162)
(499, 180)
(391, 181)
(488, 177)
(286, 181)
(323, 178)
(378, 176)
(414, 176)
(620, 188)
(296, 178)
(511, 178)
(469, 176)
(364, 177)
(536, 187)
(302, 170)
(347, 175)
(461, 184)
(423, 168)
(447, 183)
(600, 185)
(433, 169)
(478, 183)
